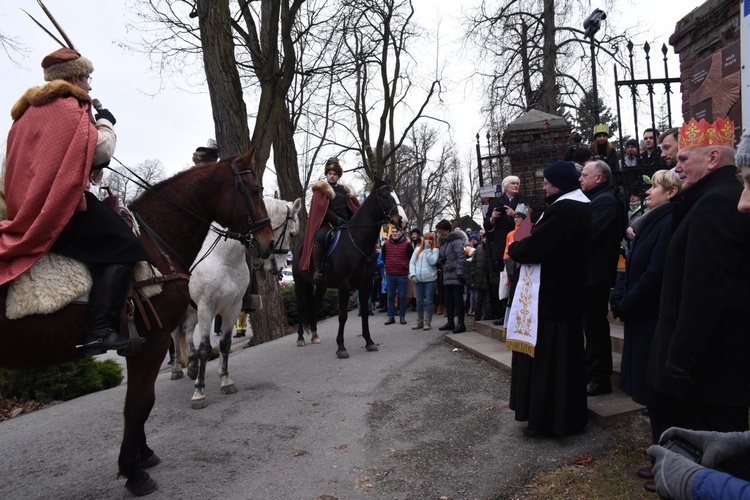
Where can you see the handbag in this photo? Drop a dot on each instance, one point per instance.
(503, 289)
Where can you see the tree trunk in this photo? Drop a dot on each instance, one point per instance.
(223, 79)
(270, 322)
(548, 90)
(231, 124)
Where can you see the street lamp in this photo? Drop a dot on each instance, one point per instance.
(592, 25)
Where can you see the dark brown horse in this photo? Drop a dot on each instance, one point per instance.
(174, 216)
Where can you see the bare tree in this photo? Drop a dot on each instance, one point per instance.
(129, 183)
(422, 189)
(455, 182)
(376, 36)
(538, 56)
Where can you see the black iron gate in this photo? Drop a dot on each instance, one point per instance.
(630, 180)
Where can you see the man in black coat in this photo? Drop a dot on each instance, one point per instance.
(607, 230)
(498, 223)
(700, 355)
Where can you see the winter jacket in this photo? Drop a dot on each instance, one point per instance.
(396, 255)
(607, 230)
(422, 267)
(452, 259)
(478, 271)
(704, 314)
(712, 484)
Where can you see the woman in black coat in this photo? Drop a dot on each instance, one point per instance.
(636, 297)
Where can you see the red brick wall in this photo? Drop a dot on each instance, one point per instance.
(707, 42)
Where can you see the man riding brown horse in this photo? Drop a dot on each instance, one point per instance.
(56, 149)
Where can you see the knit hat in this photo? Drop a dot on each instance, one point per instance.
(563, 175)
(332, 164)
(474, 236)
(65, 63)
(632, 142)
(415, 231)
(743, 151)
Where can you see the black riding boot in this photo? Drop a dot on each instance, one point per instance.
(318, 256)
(106, 298)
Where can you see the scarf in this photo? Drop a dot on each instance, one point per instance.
(649, 216)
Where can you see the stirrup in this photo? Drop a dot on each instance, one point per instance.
(319, 278)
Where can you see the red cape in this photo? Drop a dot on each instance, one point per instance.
(50, 151)
(322, 193)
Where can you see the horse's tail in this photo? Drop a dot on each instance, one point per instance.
(304, 292)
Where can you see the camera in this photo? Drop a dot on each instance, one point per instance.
(682, 447)
(591, 24)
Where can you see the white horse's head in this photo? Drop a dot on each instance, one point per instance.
(284, 221)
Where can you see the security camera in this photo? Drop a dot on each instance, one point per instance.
(592, 23)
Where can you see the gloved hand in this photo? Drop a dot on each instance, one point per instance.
(724, 451)
(340, 222)
(106, 114)
(614, 306)
(673, 473)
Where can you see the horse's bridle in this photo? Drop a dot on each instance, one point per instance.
(279, 249)
(387, 219)
(245, 238)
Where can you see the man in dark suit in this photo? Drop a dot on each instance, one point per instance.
(699, 355)
(607, 230)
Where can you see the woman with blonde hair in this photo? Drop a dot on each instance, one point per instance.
(635, 299)
(423, 273)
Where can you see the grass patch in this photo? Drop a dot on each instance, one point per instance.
(610, 475)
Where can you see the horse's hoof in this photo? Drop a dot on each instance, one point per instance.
(151, 461)
(300, 343)
(229, 389)
(144, 487)
(198, 404)
(177, 375)
(342, 354)
(372, 348)
(192, 374)
(315, 340)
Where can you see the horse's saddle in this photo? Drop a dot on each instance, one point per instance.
(332, 240)
(55, 281)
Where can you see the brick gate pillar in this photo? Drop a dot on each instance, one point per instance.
(533, 141)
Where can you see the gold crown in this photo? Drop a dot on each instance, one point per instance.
(601, 128)
(702, 133)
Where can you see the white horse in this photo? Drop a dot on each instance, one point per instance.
(217, 285)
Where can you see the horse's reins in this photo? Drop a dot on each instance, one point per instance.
(245, 238)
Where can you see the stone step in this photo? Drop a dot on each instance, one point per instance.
(497, 332)
(603, 409)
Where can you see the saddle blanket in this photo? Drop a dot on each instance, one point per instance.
(55, 281)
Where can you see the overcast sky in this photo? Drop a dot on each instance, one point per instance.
(167, 120)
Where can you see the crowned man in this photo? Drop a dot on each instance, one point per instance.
(333, 205)
(56, 148)
(700, 355)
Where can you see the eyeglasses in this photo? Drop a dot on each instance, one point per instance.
(85, 78)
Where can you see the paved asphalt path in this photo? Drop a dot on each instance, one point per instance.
(417, 419)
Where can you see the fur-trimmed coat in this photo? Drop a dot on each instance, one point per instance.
(322, 194)
(49, 155)
(52, 146)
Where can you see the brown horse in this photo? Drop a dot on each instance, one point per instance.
(174, 218)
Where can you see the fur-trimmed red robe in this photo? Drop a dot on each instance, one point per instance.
(49, 155)
(322, 194)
